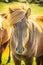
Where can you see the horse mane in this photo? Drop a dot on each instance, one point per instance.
(16, 15)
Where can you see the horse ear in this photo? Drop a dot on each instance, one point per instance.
(3, 15)
(28, 12)
(10, 10)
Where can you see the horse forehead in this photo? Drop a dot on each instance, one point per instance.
(22, 22)
(21, 27)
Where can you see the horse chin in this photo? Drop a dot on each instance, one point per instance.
(20, 56)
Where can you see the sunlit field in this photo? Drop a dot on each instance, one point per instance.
(4, 7)
(34, 7)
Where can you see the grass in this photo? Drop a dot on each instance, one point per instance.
(35, 9)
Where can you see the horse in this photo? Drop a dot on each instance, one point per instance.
(26, 39)
(4, 35)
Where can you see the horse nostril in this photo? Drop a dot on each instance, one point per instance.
(16, 49)
(22, 48)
